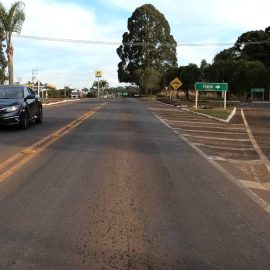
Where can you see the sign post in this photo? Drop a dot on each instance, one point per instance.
(98, 75)
(175, 84)
(196, 100)
(211, 87)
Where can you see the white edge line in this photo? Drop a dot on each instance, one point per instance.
(263, 204)
(255, 144)
(231, 115)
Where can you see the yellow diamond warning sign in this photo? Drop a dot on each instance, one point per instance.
(176, 83)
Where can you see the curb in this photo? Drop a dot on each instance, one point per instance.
(59, 102)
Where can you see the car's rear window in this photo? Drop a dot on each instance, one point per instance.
(11, 92)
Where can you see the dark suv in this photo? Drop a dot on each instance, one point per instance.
(19, 105)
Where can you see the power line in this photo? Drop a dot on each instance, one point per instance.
(114, 43)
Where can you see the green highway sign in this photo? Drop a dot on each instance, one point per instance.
(257, 90)
(201, 86)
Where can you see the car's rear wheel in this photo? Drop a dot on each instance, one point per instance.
(39, 115)
(24, 120)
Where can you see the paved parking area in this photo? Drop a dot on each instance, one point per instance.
(229, 145)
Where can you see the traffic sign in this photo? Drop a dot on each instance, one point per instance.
(176, 83)
(98, 73)
(257, 90)
(201, 86)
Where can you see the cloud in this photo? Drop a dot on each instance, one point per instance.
(191, 21)
(64, 63)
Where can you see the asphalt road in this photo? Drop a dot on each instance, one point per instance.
(122, 191)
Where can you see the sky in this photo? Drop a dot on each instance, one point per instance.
(74, 64)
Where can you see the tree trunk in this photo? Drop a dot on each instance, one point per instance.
(177, 91)
(10, 64)
(187, 95)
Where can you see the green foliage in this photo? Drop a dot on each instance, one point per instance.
(103, 84)
(254, 45)
(171, 73)
(132, 90)
(244, 66)
(189, 75)
(227, 54)
(147, 46)
(149, 80)
(56, 93)
(3, 61)
(11, 21)
(203, 69)
(91, 95)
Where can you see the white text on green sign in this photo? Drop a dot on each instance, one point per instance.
(200, 86)
(257, 90)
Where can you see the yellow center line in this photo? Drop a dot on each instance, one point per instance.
(30, 152)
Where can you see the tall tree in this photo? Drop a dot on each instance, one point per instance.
(148, 79)
(3, 61)
(148, 45)
(254, 45)
(189, 75)
(11, 21)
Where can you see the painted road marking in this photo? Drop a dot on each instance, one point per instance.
(255, 144)
(224, 147)
(216, 138)
(29, 153)
(238, 161)
(214, 132)
(184, 117)
(194, 122)
(252, 195)
(219, 127)
(253, 184)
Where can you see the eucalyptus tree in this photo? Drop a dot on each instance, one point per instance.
(146, 46)
(11, 21)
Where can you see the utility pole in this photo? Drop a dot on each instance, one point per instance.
(35, 77)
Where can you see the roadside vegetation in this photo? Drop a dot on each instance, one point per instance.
(11, 21)
(148, 59)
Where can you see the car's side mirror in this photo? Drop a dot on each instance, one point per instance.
(30, 96)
